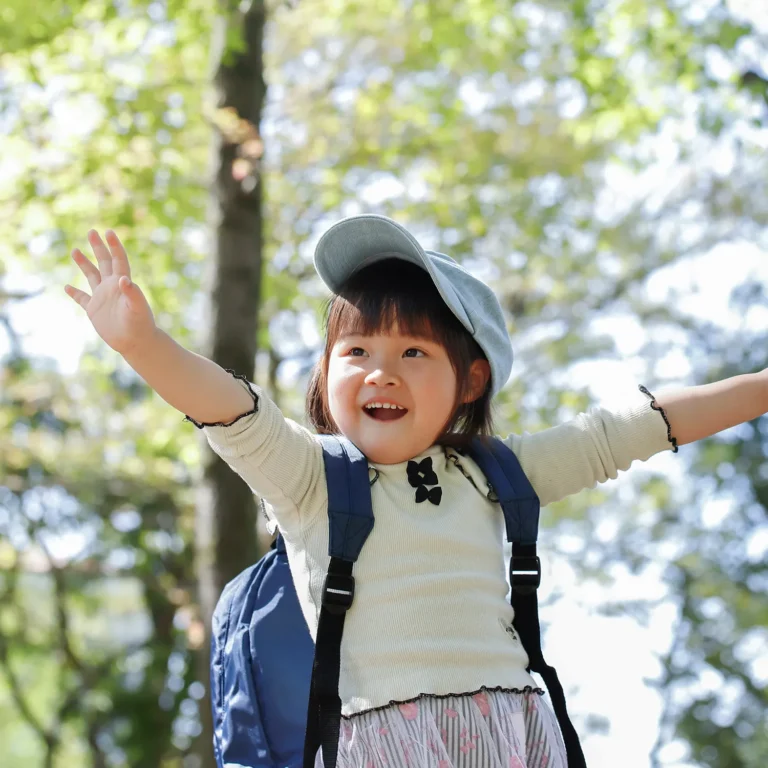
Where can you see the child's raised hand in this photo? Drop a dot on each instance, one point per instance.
(117, 307)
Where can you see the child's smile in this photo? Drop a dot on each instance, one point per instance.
(382, 409)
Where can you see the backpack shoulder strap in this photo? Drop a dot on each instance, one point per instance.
(521, 508)
(350, 513)
(514, 491)
(350, 520)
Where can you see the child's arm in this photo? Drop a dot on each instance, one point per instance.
(192, 384)
(595, 446)
(698, 412)
(277, 458)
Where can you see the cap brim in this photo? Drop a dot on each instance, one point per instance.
(359, 241)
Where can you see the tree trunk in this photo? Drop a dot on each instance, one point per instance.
(226, 508)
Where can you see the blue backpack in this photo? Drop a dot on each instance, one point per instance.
(261, 664)
(275, 696)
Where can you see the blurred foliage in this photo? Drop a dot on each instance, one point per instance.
(569, 153)
(96, 617)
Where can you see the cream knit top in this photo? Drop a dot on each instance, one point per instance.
(430, 613)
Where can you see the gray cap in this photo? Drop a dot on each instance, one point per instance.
(359, 241)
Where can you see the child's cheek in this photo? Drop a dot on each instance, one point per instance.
(342, 389)
(344, 382)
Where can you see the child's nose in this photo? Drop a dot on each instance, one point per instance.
(382, 377)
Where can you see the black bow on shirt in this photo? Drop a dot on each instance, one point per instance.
(433, 494)
(421, 473)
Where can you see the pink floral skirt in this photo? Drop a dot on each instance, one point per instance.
(487, 729)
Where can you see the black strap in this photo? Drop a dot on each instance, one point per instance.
(350, 520)
(324, 712)
(525, 576)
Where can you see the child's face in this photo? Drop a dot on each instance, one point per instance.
(413, 373)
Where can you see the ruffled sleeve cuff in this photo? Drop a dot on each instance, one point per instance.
(280, 460)
(255, 409)
(657, 407)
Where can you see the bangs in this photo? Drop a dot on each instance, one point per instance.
(393, 296)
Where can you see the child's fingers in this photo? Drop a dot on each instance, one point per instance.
(120, 264)
(81, 297)
(101, 252)
(91, 273)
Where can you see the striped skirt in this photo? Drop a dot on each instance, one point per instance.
(486, 729)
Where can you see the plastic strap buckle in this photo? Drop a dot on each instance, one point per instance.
(338, 592)
(525, 574)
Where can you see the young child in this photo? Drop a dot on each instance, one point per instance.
(431, 674)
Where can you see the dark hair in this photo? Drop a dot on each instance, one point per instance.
(392, 292)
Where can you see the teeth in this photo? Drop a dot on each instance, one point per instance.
(384, 405)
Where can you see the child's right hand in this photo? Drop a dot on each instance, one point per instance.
(117, 307)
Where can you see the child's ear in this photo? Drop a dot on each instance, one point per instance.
(479, 373)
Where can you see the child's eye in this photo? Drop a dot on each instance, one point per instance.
(413, 352)
(356, 352)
